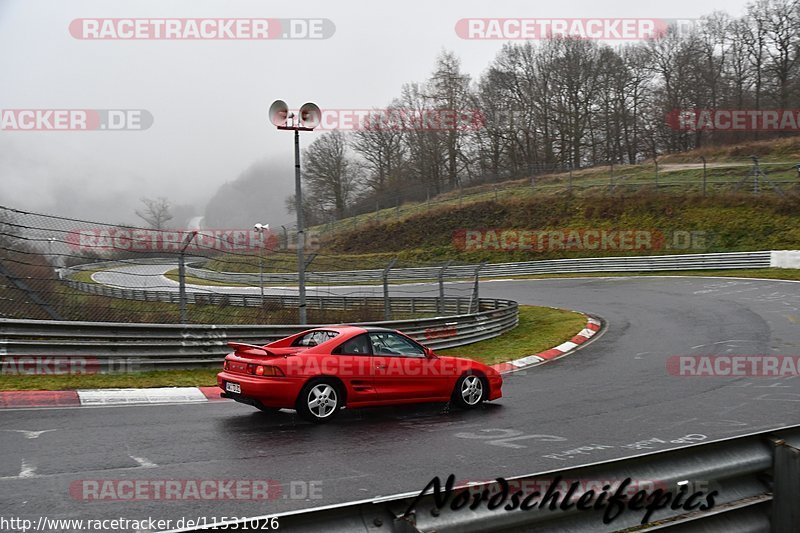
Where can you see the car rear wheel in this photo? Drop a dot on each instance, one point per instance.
(470, 391)
(319, 401)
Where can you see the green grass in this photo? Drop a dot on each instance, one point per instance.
(765, 273)
(84, 276)
(191, 280)
(539, 329)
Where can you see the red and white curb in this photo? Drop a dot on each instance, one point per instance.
(593, 325)
(172, 395)
(107, 397)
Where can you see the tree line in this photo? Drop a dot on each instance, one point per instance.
(556, 104)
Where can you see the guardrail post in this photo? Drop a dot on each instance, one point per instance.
(182, 287)
(473, 298)
(182, 275)
(440, 276)
(387, 307)
(704, 174)
(569, 189)
(655, 161)
(786, 485)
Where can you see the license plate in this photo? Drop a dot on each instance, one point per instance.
(233, 387)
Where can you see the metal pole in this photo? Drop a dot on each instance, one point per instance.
(611, 174)
(50, 257)
(182, 276)
(473, 299)
(704, 174)
(387, 308)
(786, 483)
(570, 177)
(301, 264)
(441, 286)
(182, 286)
(756, 172)
(656, 163)
(261, 268)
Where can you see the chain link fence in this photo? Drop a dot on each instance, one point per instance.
(59, 268)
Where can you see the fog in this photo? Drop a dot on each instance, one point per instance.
(209, 98)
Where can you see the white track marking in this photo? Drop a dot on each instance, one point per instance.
(143, 462)
(28, 434)
(27, 471)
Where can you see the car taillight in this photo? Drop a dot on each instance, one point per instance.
(264, 370)
(225, 365)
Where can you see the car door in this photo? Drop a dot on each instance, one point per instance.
(401, 369)
(351, 362)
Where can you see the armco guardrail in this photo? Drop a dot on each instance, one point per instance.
(757, 479)
(731, 260)
(276, 301)
(132, 347)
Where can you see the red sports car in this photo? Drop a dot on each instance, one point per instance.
(319, 371)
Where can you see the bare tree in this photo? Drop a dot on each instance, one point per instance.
(156, 212)
(329, 172)
(379, 141)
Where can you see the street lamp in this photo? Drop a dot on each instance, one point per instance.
(260, 229)
(308, 118)
(182, 274)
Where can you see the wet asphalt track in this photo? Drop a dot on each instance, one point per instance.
(612, 393)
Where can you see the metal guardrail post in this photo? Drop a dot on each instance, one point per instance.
(704, 174)
(387, 307)
(474, 297)
(786, 485)
(182, 287)
(440, 277)
(182, 275)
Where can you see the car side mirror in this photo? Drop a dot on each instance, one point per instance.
(430, 353)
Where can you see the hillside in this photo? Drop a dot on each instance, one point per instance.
(668, 205)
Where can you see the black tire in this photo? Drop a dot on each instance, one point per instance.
(470, 391)
(328, 396)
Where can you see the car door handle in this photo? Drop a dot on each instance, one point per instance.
(380, 366)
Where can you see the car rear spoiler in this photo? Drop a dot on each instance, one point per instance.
(250, 349)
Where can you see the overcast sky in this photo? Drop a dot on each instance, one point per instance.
(209, 98)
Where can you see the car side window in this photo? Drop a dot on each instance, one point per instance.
(387, 343)
(313, 338)
(356, 346)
